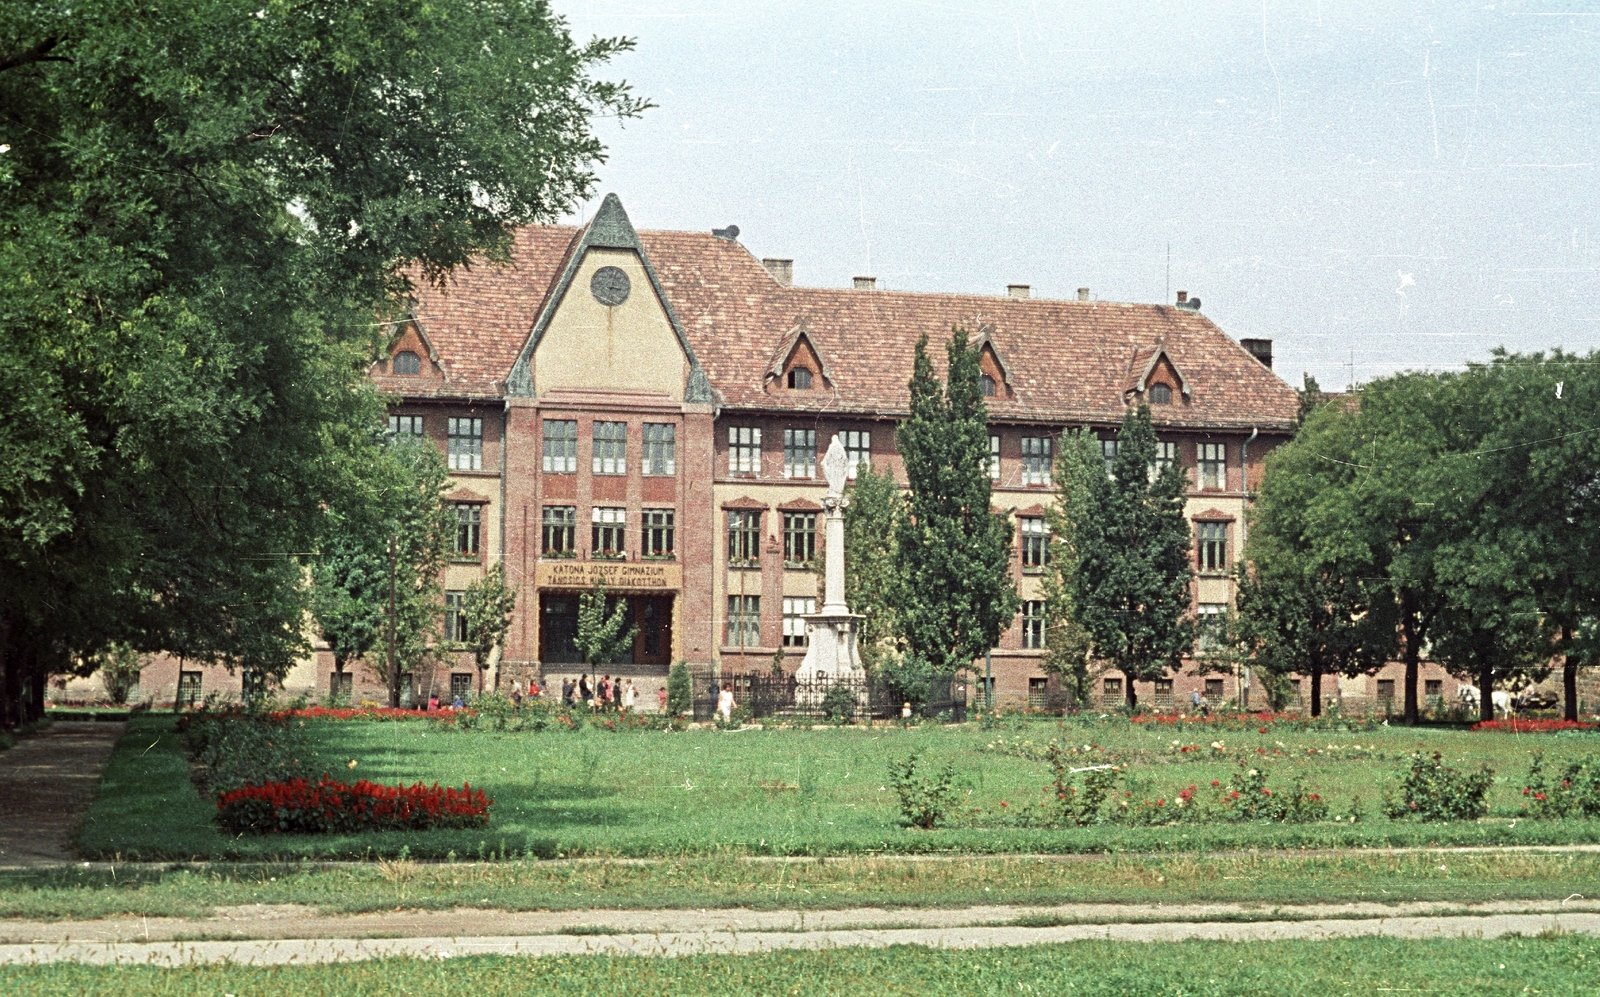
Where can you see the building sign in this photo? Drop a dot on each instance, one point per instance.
(617, 576)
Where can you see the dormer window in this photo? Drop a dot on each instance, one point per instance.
(1160, 394)
(988, 386)
(800, 379)
(408, 363)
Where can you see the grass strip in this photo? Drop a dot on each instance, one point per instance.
(727, 881)
(1544, 965)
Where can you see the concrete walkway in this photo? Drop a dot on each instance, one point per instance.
(305, 951)
(46, 783)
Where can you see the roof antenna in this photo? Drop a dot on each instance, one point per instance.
(1169, 273)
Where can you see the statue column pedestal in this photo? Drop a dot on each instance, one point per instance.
(832, 655)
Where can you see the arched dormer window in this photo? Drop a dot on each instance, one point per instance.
(406, 362)
(1160, 394)
(988, 386)
(800, 379)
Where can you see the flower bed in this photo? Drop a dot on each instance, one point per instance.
(326, 806)
(1261, 721)
(443, 714)
(1516, 726)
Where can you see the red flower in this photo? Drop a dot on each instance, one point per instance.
(1215, 782)
(1003, 803)
(1538, 796)
(1262, 731)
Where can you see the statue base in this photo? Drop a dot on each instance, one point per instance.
(831, 658)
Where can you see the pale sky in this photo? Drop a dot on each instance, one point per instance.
(1373, 186)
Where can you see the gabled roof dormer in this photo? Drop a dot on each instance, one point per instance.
(1158, 369)
(797, 364)
(992, 366)
(410, 354)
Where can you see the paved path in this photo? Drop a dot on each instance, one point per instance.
(46, 782)
(303, 951)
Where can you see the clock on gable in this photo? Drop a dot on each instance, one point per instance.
(610, 286)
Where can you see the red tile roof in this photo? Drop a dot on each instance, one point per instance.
(1069, 361)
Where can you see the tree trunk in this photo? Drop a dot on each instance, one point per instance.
(1413, 652)
(40, 678)
(1486, 692)
(1569, 676)
(1129, 695)
(1316, 688)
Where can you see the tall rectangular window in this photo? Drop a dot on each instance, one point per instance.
(658, 532)
(994, 458)
(1108, 452)
(469, 525)
(455, 620)
(799, 453)
(465, 444)
(858, 448)
(610, 447)
(405, 425)
(744, 620)
(660, 448)
(1033, 623)
(1036, 460)
(1035, 542)
(1213, 546)
(1213, 462)
(799, 537)
(560, 531)
(795, 611)
(744, 536)
(608, 536)
(1210, 617)
(744, 450)
(1166, 456)
(560, 446)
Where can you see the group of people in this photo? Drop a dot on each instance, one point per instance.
(606, 694)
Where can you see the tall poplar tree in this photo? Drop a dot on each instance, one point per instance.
(1080, 477)
(870, 563)
(955, 588)
(1134, 558)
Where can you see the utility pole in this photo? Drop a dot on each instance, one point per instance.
(394, 668)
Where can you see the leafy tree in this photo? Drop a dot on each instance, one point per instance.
(603, 635)
(680, 690)
(955, 590)
(870, 562)
(487, 608)
(1133, 556)
(350, 588)
(119, 667)
(1079, 471)
(206, 210)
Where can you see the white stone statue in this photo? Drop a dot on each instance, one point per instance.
(836, 467)
(832, 655)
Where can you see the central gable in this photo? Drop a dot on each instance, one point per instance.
(607, 324)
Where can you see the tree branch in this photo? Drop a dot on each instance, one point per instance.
(39, 53)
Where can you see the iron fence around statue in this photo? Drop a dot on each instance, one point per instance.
(764, 696)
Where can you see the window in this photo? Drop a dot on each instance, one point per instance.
(988, 385)
(799, 453)
(1111, 688)
(1160, 394)
(794, 625)
(744, 620)
(460, 686)
(1166, 456)
(799, 537)
(1213, 465)
(994, 458)
(744, 536)
(1036, 460)
(560, 446)
(610, 448)
(1213, 689)
(1108, 451)
(1163, 691)
(340, 685)
(660, 448)
(608, 536)
(1210, 617)
(658, 532)
(1033, 623)
(800, 379)
(1038, 694)
(1213, 546)
(189, 689)
(469, 523)
(466, 444)
(560, 531)
(408, 363)
(858, 448)
(1386, 689)
(1035, 542)
(744, 450)
(405, 425)
(1433, 689)
(455, 619)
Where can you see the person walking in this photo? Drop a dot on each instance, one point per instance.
(725, 703)
(585, 691)
(661, 694)
(629, 696)
(566, 692)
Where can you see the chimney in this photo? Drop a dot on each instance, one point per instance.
(1083, 294)
(731, 233)
(866, 283)
(782, 271)
(1183, 296)
(1187, 303)
(1261, 349)
(1018, 291)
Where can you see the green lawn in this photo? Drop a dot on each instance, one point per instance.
(1547, 966)
(805, 792)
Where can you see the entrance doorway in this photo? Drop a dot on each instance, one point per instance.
(651, 616)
